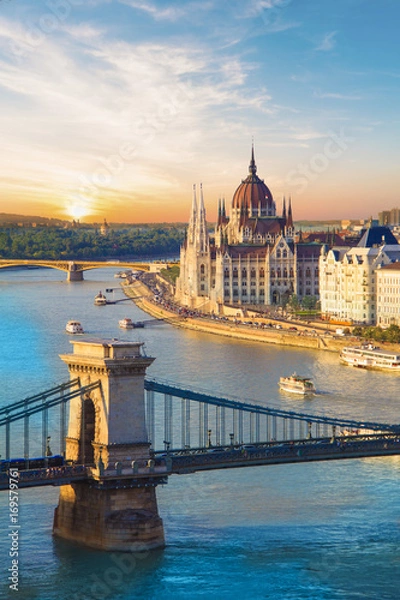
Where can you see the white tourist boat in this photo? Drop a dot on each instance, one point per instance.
(370, 357)
(100, 299)
(74, 327)
(126, 323)
(297, 385)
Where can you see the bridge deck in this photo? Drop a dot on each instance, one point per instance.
(206, 459)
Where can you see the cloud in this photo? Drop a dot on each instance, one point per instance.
(67, 119)
(328, 42)
(337, 96)
(169, 13)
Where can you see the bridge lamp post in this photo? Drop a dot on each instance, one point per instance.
(166, 446)
(209, 444)
(48, 450)
(231, 435)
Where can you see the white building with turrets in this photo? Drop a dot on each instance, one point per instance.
(348, 277)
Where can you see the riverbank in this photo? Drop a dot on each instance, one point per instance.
(257, 332)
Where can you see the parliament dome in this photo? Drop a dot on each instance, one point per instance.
(253, 195)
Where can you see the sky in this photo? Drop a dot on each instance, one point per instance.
(114, 109)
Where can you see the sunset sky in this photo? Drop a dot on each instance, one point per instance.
(115, 108)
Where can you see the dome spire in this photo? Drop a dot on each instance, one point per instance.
(252, 166)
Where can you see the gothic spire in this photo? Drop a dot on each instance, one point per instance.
(252, 166)
(289, 220)
(202, 241)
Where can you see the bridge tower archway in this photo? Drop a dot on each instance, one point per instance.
(88, 421)
(112, 510)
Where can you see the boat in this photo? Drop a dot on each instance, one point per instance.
(126, 323)
(369, 356)
(74, 327)
(100, 299)
(297, 385)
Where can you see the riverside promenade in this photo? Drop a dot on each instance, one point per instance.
(300, 336)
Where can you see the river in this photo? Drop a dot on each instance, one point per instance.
(287, 532)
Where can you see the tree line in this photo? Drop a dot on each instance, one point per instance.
(87, 244)
(391, 334)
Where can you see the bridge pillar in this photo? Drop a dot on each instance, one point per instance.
(115, 509)
(73, 274)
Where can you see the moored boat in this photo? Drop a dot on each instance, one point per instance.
(74, 327)
(126, 323)
(100, 299)
(297, 385)
(369, 356)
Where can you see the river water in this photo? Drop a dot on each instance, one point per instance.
(328, 530)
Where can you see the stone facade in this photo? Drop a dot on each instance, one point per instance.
(107, 431)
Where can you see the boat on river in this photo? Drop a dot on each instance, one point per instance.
(126, 323)
(369, 356)
(100, 299)
(74, 327)
(297, 385)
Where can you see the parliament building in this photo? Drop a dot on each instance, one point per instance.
(253, 259)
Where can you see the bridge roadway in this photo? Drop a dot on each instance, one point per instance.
(205, 459)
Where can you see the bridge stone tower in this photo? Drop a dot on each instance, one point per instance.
(115, 509)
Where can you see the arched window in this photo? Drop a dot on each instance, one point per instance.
(202, 269)
(316, 271)
(253, 273)
(300, 272)
(261, 272)
(272, 273)
(291, 272)
(244, 273)
(278, 272)
(235, 272)
(284, 254)
(278, 254)
(285, 273)
(226, 273)
(308, 272)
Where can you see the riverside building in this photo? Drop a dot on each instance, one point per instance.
(348, 276)
(388, 295)
(253, 259)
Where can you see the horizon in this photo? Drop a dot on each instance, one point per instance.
(113, 110)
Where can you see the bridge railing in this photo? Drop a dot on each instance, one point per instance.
(187, 418)
(17, 428)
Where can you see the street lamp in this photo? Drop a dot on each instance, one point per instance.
(209, 438)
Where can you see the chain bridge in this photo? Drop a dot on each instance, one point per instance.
(188, 431)
(76, 268)
(109, 436)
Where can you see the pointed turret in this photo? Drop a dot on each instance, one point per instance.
(289, 220)
(202, 241)
(284, 208)
(193, 218)
(252, 166)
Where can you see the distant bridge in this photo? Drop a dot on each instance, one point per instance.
(76, 268)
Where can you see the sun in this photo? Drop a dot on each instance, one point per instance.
(77, 210)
